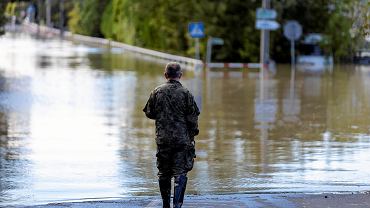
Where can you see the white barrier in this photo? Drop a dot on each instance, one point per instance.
(233, 65)
(188, 63)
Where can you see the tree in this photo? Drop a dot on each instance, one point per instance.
(3, 19)
(162, 24)
(331, 18)
(85, 17)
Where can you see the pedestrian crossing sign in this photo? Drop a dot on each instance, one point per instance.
(196, 29)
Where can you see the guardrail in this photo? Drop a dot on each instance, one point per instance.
(233, 65)
(188, 63)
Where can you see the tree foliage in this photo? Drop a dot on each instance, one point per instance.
(331, 18)
(3, 19)
(85, 17)
(162, 24)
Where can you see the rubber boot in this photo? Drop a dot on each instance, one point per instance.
(179, 191)
(165, 188)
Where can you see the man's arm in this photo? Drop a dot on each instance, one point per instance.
(192, 116)
(149, 108)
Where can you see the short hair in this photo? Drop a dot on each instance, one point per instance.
(173, 70)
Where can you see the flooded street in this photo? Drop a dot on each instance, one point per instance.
(72, 126)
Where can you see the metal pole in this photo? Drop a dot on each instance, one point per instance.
(209, 50)
(265, 39)
(292, 80)
(61, 17)
(48, 13)
(292, 53)
(197, 56)
(39, 5)
(264, 51)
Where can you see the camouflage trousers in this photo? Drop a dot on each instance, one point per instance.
(174, 161)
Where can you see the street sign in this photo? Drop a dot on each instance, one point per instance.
(217, 41)
(196, 29)
(267, 24)
(210, 42)
(263, 13)
(292, 30)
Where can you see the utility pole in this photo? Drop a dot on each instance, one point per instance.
(265, 39)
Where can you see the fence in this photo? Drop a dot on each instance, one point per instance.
(188, 63)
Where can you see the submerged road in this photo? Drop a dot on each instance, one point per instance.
(72, 128)
(347, 200)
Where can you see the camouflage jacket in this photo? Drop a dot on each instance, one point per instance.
(175, 113)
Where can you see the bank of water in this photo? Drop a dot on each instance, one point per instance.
(72, 126)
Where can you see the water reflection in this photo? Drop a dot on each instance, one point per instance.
(291, 101)
(72, 127)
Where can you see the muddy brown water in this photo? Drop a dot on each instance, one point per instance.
(72, 126)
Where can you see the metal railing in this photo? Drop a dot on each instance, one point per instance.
(188, 63)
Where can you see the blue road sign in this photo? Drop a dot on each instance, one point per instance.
(196, 29)
(217, 41)
(263, 13)
(292, 30)
(262, 24)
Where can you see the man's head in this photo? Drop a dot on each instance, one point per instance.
(173, 71)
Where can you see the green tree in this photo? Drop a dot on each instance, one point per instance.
(3, 19)
(233, 21)
(118, 21)
(162, 24)
(331, 18)
(85, 17)
(146, 23)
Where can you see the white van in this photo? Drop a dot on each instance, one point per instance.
(311, 57)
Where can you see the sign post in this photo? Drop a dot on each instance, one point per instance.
(196, 30)
(210, 42)
(292, 31)
(61, 18)
(197, 53)
(292, 52)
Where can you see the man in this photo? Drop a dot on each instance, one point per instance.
(176, 119)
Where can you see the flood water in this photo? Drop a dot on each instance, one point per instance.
(72, 126)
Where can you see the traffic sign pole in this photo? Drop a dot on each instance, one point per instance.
(265, 39)
(292, 53)
(61, 18)
(209, 50)
(210, 42)
(197, 55)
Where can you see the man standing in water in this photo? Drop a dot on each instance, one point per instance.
(176, 120)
